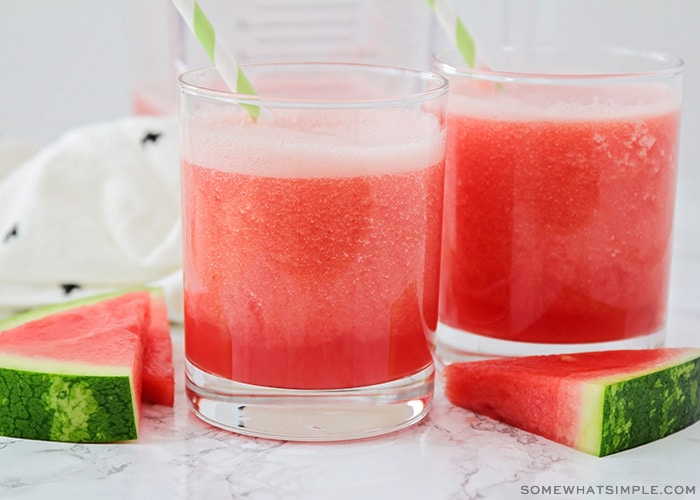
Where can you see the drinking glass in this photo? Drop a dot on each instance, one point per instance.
(559, 200)
(311, 247)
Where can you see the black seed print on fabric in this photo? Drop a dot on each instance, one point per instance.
(69, 287)
(150, 137)
(12, 233)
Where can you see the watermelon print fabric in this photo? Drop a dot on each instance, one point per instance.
(94, 211)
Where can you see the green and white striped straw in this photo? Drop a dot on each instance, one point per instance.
(455, 29)
(225, 63)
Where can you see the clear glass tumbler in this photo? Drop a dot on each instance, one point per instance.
(559, 201)
(311, 248)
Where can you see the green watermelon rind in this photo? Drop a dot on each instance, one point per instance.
(64, 407)
(641, 407)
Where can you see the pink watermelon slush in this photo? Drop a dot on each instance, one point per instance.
(558, 219)
(311, 264)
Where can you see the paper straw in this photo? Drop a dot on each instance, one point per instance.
(456, 30)
(222, 58)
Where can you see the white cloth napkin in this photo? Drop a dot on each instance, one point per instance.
(95, 211)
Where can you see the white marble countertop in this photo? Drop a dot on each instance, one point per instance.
(452, 454)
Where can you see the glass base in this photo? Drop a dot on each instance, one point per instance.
(309, 415)
(453, 345)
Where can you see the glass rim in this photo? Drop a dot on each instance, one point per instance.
(440, 86)
(672, 65)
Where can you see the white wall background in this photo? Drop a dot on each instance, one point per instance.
(62, 64)
(65, 63)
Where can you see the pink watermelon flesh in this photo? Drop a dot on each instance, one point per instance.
(76, 375)
(597, 402)
(158, 372)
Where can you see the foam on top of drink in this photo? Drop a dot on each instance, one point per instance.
(562, 103)
(315, 143)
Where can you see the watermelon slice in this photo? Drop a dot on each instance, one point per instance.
(158, 372)
(597, 402)
(75, 375)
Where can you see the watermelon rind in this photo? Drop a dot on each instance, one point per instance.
(17, 362)
(589, 437)
(65, 407)
(647, 407)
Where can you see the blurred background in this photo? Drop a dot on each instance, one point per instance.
(74, 62)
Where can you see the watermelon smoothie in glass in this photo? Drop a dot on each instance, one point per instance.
(311, 248)
(559, 200)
